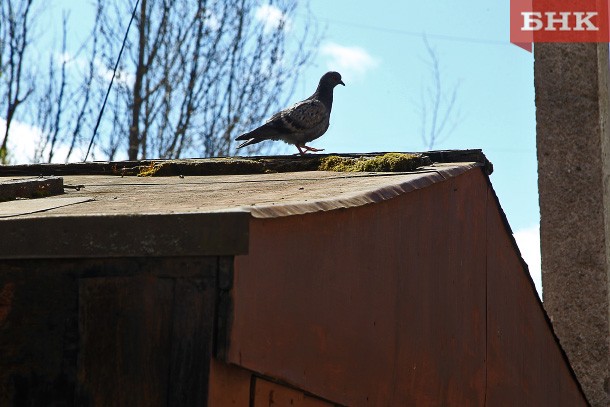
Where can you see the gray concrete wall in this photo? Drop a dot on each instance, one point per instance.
(573, 166)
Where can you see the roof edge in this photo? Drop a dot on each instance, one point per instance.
(528, 275)
(143, 235)
(223, 165)
(423, 178)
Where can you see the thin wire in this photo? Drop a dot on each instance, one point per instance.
(442, 37)
(116, 66)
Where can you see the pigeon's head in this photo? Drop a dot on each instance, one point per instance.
(331, 79)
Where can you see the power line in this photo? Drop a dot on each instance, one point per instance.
(116, 66)
(442, 37)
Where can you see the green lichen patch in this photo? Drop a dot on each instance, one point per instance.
(389, 162)
(216, 166)
(149, 170)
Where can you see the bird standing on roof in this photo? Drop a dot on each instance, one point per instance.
(304, 122)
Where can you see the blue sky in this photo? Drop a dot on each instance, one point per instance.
(379, 49)
(378, 111)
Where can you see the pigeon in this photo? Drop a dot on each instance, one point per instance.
(303, 122)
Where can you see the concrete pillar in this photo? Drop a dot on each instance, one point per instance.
(573, 179)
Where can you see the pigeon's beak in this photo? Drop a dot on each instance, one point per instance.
(341, 82)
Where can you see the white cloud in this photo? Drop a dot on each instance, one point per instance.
(22, 141)
(211, 21)
(25, 140)
(352, 62)
(272, 17)
(528, 241)
(62, 57)
(122, 77)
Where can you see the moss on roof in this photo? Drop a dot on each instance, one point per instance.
(389, 162)
(218, 166)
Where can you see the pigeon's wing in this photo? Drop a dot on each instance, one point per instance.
(301, 117)
(289, 124)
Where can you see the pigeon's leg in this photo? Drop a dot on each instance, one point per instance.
(312, 149)
(300, 151)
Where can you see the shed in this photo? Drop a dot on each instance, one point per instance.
(267, 282)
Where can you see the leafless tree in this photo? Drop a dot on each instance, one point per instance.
(16, 85)
(63, 108)
(439, 115)
(51, 102)
(195, 74)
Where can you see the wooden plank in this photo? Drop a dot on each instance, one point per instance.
(192, 337)
(268, 394)
(38, 334)
(130, 326)
(125, 328)
(224, 307)
(136, 235)
(30, 206)
(229, 385)
(31, 188)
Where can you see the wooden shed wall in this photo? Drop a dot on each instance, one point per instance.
(418, 300)
(101, 332)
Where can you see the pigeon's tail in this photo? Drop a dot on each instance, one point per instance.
(251, 141)
(256, 136)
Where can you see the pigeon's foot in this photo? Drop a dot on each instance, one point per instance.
(313, 149)
(307, 148)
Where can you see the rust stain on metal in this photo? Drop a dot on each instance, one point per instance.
(229, 385)
(361, 309)
(268, 394)
(521, 347)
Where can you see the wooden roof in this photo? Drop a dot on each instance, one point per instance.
(104, 212)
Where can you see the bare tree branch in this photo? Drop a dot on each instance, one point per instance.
(14, 34)
(202, 72)
(439, 116)
(195, 74)
(86, 89)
